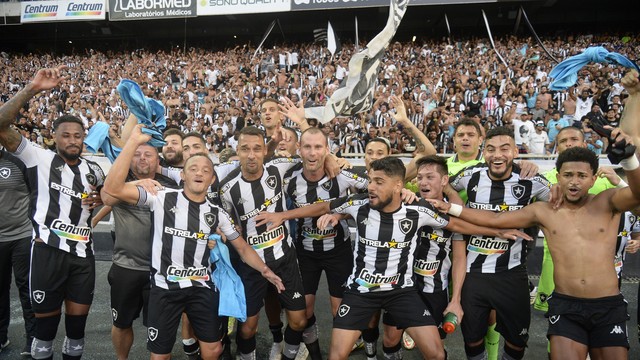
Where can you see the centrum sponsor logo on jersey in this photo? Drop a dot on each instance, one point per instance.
(317, 234)
(433, 237)
(68, 191)
(494, 207)
(185, 233)
(393, 244)
(370, 280)
(426, 268)
(266, 239)
(69, 231)
(488, 246)
(175, 274)
(262, 207)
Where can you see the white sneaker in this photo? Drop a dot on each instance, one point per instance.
(276, 351)
(407, 341)
(4, 344)
(532, 295)
(358, 345)
(303, 352)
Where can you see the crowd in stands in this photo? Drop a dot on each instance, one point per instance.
(216, 93)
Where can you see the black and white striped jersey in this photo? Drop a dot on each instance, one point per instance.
(57, 189)
(243, 200)
(303, 192)
(181, 229)
(432, 260)
(488, 254)
(385, 242)
(628, 225)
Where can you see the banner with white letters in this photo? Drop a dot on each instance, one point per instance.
(62, 10)
(151, 9)
(229, 7)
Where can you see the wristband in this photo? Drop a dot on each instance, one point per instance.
(622, 184)
(630, 163)
(455, 210)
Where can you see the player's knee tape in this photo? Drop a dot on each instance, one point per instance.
(42, 349)
(74, 325)
(310, 333)
(73, 347)
(512, 354)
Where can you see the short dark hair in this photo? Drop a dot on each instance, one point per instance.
(251, 130)
(172, 131)
(578, 154)
(438, 161)
(382, 141)
(269, 99)
(467, 122)
(292, 130)
(391, 166)
(67, 119)
(499, 131)
(200, 154)
(194, 134)
(570, 128)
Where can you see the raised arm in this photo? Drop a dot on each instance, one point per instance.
(515, 219)
(276, 219)
(630, 120)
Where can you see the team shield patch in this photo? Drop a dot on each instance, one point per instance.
(343, 310)
(271, 182)
(554, 319)
(406, 225)
(91, 179)
(517, 191)
(114, 314)
(5, 172)
(327, 185)
(210, 219)
(153, 333)
(38, 296)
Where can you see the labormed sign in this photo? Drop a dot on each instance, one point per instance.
(228, 7)
(151, 9)
(62, 10)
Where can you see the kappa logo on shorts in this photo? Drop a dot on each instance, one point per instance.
(38, 296)
(5, 172)
(517, 191)
(210, 219)
(153, 333)
(426, 313)
(554, 319)
(343, 310)
(617, 330)
(406, 225)
(297, 295)
(114, 314)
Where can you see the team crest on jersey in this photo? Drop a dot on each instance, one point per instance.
(343, 310)
(406, 225)
(38, 296)
(554, 319)
(632, 218)
(210, 219)
(327, 185)
(271, 182)
(91, 179)
(153, 333)
(518, 191)
(5, 173)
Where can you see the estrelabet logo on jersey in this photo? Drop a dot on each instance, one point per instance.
(369, 280)
(488, 246)
(317, 234)
(70, 231)
(185, 233)
(5, 172)
(175, 274)
(68, 191)
(38, 296)
(262, 207)
(433, 237)
(426, 268)
(494, 207)
(434, 215)
(393, 244)
(266, 239)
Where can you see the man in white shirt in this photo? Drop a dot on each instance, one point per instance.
(538, 139)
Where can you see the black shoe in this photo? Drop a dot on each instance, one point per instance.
(26, 351)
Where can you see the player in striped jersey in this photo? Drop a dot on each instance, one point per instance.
(495, 263)
(180, 265)
(64, 191)
(382, 274)
(318, 250)
(245, 192)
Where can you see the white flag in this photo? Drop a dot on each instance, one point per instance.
(332, 44)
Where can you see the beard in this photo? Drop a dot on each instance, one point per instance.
(382, 203)
(69, 156)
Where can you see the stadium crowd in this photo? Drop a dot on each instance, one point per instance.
(436, 97)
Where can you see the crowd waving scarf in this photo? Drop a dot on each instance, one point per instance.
(565, 74)
(149, 112)
(356, 92)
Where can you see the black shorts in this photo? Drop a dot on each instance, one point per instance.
(404, 305)
(255, 286)
(337, 267)
(596, 323)
(129, 295)
(57, 275)
(508, 293)
(166, 308)
(435, 302)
